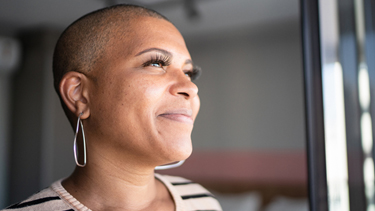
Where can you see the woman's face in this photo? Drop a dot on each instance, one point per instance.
(142, 101)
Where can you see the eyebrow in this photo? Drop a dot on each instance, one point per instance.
(155, 49)
(187, 61)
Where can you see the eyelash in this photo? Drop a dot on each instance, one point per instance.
(165, 61)
(162, 60)
(195, 73)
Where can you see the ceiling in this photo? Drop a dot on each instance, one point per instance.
(214, 15)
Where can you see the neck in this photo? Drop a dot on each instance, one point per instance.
(106, 186)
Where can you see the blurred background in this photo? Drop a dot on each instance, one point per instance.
(249, 137)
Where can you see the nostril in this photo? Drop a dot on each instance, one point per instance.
(184, 93)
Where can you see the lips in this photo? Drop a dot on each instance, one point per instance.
(179, 115)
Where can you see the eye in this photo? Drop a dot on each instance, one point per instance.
(158, 61)
(194, 73)
(157, 64)
(189, 73)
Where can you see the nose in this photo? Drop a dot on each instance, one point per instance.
(183, 86)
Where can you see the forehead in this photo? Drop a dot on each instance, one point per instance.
(150, 32)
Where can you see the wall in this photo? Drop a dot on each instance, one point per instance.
(4, 134)
(251, 88)
(41, 139)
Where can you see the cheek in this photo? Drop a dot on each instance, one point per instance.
(130, 93)
(127, 99)
(151, 93)
(135, 103)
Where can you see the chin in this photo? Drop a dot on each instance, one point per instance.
(186, 154)
(180, 151)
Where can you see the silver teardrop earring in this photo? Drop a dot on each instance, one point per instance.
(79, 122)
(174, 165)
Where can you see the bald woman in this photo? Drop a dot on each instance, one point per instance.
(124, 78)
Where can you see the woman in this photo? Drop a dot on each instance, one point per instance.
(123, 75)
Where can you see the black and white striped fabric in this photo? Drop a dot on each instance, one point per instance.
(188, 196)
(45, 200)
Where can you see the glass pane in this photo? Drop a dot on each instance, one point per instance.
(345, 26)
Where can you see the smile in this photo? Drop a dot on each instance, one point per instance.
(180, 115)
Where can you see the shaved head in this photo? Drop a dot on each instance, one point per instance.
(81, 45)
(84, 42)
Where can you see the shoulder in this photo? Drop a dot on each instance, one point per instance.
(193, 195)
(44, 200)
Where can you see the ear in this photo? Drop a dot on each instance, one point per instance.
(74, 93)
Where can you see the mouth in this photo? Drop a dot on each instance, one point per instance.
(179, 115)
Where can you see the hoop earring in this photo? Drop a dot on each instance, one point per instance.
(174, 165)
(79, 122)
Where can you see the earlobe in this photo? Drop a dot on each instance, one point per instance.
(73, 91)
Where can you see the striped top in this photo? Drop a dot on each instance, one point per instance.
(187, 196)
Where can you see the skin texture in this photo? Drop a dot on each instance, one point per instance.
(136, 117)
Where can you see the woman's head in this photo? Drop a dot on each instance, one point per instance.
(128, 70)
